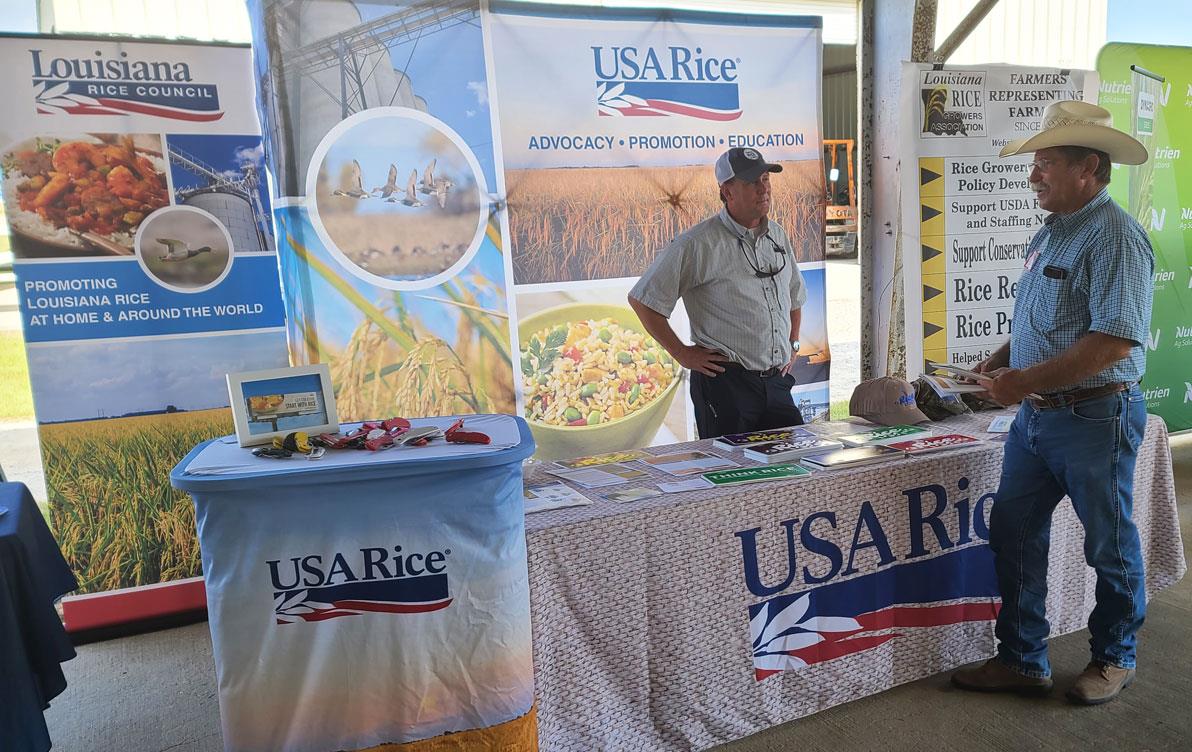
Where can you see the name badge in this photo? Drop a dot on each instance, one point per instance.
(1031, 259)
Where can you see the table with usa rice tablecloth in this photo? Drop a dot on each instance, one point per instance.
(369, 598)
(687, 620)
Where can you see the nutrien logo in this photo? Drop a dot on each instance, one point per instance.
(372, 580)
(100, 85)
(673, 81)
(1152, 339)
(828, 618)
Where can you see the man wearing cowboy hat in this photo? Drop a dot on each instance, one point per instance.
(1081, 315)
(739, 279)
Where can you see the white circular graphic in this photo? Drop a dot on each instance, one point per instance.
(184, 249)
(751, 154)
(397, 197)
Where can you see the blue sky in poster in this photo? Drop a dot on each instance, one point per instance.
(409, 144)
(285, 385)
(337, 317)
(111, 378)
(446, 68)
(223, 152)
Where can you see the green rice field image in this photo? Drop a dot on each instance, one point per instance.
(118, 521)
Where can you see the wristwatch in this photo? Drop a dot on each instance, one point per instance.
(795, 345)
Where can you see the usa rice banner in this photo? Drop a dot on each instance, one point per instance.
(1155, 105)
(610, 121)
(461, 237)
(967, 215)
(146, 270)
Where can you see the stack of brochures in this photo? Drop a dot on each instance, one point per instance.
(792, 449)
(850, 457)
(885, 435)
(738, 440)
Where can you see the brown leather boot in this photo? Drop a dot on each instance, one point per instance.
(1099, 682)
(995, 676)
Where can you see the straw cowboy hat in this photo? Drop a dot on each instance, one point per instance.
(1074, 123)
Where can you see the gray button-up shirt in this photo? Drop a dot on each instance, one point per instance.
(732, 310)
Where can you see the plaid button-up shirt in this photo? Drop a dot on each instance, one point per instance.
(731, 309)
(1089, 271)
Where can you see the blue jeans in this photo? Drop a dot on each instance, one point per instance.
(1086, 451)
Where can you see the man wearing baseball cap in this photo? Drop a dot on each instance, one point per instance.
(1081, 316)
(739, 280)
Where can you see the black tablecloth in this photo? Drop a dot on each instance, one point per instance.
(32, 640)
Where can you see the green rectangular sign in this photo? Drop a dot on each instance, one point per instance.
(756, 474)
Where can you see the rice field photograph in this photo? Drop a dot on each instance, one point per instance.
(109, 440)
(443, 350)
(118, 521)
(397, 195)
(609, 222)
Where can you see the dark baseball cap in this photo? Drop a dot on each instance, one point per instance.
(744, 163)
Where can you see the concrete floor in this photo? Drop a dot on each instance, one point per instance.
(156, 692)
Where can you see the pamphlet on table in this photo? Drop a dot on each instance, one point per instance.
(697, 483)
(600, 476)
(851, 457)
(546, 496)
(594, 460)
(738, 440)
(934, 443)
(793, 449)
(686, 463)
(622, 495)
(885, 435)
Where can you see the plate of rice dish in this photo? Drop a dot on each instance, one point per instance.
(84, 194)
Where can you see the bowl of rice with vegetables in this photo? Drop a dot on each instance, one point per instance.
(593, 380)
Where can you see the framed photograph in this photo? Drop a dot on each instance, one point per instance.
(282, 400)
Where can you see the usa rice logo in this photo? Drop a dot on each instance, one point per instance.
(372, 580)
(830, 618)
(674, 81)
(121, 85)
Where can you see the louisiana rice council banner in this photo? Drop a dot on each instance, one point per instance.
(146, 270)
(610, 122)
(1158, 194)
(967, 215)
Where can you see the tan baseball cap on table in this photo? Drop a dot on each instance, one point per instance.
(887, 401)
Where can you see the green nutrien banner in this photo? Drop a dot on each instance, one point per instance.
(1159, 195)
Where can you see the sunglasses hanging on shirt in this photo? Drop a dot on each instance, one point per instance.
(757, 272)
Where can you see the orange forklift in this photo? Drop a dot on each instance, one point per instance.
(840, 226)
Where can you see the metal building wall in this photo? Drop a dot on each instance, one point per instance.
(1054, 33)
(840, 91)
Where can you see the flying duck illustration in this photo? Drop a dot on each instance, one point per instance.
(391, 185)
(354, 187)
(427, 184)
(411, 197)
(442, 186)
(179, 250)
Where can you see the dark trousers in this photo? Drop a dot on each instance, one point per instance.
(739, 401)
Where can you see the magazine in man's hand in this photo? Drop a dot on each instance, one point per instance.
(957, 371)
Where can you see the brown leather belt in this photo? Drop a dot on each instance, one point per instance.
(1065, 399)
